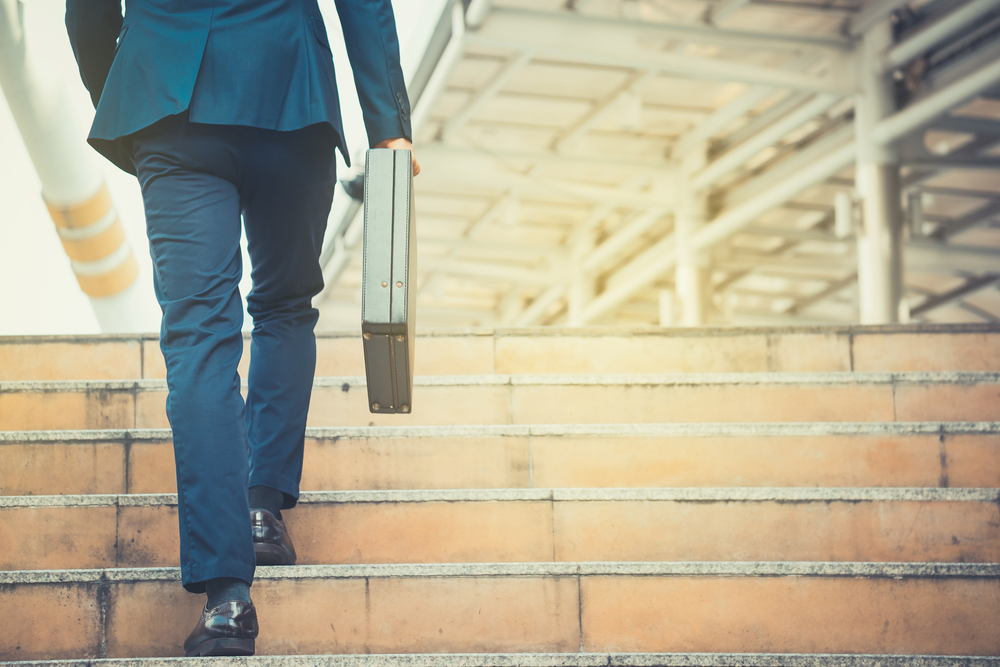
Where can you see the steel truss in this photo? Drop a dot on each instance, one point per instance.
(602, 165)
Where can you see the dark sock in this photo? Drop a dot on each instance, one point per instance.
(266, 498)
(226, 588)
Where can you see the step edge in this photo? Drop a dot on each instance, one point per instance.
(606, 380)
(587, 332)
(545, 660)
(722, 494)
(872, 570)
(707, 429)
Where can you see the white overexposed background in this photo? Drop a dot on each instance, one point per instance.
(38, 291)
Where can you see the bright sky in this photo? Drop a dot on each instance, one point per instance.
(38, 292)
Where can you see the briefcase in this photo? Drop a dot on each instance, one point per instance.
(389, 280)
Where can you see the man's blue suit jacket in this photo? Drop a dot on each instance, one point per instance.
(262, 63)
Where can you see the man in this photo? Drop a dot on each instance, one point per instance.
(223, 109)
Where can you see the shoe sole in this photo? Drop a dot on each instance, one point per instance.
(270, 554)
(222, 646)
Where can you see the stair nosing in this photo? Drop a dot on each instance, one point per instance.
(609, 379)
(544, 660)
(617, 494)
(706, 429)
(878, 570)
(624, 331)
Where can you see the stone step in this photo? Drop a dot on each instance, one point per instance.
(891, 608)
(873, 454)
(550, 660)
(522, 525)
(552, 399)
(926, 347)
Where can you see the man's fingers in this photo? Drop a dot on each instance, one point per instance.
(400, 143)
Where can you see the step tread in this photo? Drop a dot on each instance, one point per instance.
(547, 660)
(691, 494)
(882, 570)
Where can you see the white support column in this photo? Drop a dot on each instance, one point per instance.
(880, 261)
(692, 274)
(72, 187)
(667, 305)
(843, 215)
(584, 284)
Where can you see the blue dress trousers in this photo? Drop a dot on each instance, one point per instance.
(227, 110)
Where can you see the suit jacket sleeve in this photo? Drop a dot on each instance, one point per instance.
(93, 27)
(373, 48)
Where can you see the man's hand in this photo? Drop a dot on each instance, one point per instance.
(401, 144)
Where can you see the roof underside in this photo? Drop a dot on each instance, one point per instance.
(551, 160)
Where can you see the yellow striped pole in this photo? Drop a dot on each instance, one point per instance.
(94, 239)
(72, 186)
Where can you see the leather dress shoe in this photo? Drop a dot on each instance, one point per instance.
(229, 629)
(271, 542)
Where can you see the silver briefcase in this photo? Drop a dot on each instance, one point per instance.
(389, 277)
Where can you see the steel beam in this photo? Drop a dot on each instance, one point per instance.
(502, 250)
(724, 9)
(616, 43)
(504, 158)
(451, 56)
(807, 7)
(661, 257)
(971, 286)
(833, 288)
(443, 172)
(737, 156)
(646, 268)
(701, 34)
(932, 257)
(789, 167)
(720, 118)
(536, 311)
(927, 109)
(748, 318)
(968, 221)
(936, 32)
(491, 271)
(602, 107)
(611, 249)
(735, 218)
(874, 13)
(980, 126)
(484, 95)
(978, 312)
(804, 235)
(477, 227)
(921, 256)
(803, 266)
(971, 163)
(766, 118)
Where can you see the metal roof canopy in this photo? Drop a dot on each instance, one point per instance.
(564, 143)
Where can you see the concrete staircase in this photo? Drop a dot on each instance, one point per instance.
(558, 497)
